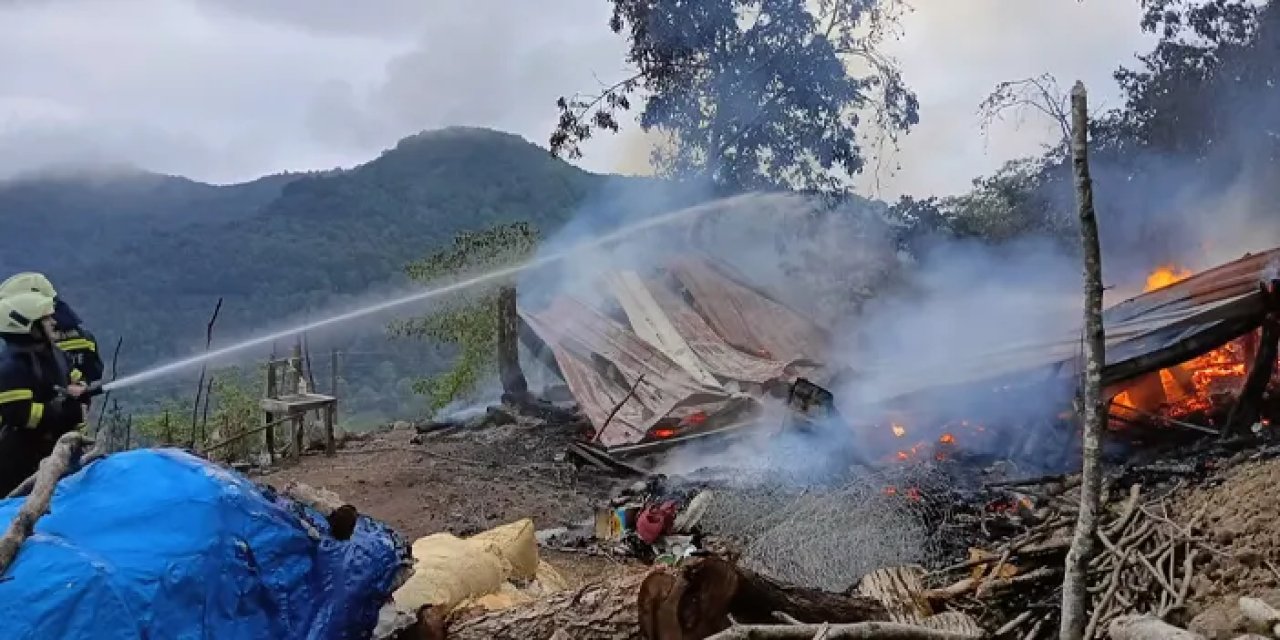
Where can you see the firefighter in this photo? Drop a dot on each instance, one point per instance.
(70, 336)
(38, 400)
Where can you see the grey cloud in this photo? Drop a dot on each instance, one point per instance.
(490, 63)
(348, 17)
(954, 53)
(230, 89)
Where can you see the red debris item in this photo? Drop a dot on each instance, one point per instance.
(655, 521)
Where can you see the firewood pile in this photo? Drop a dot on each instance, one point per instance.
(1147, 553)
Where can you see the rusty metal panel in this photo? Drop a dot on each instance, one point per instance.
(579, 334)
(747, 320)
(1144, 334)
(721, 358)
(650, 321)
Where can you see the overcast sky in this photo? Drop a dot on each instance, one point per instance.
(227, 90)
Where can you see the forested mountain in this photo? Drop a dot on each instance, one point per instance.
(145, 257)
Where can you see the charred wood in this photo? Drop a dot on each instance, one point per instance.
(1248, 408)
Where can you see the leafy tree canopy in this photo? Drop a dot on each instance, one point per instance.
(753, 94)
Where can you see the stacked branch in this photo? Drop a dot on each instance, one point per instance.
(1145, 566)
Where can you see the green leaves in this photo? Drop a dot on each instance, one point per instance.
(469, 322)
(752, 94)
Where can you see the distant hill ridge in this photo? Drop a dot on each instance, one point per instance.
(145, 256)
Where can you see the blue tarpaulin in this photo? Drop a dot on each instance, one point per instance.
(161, 545)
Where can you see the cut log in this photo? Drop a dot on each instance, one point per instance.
(1147, 628)
(900, 590)
(340, 515)
(759, 596)
(600, 611)
(694, 605)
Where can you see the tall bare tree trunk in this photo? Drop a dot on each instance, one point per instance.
(1074, 585)
(513, 381)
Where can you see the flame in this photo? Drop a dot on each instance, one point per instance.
(1164, 276)
(1190, 387)
(898, 430)
(947, 439)
(664, 433)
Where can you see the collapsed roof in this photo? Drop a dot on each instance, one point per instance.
(1144, 334)
(692, 343)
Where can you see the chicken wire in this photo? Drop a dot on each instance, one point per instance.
(829, 536)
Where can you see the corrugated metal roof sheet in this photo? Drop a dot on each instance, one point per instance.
(602, 360)
(747, 320)
(1144, 334)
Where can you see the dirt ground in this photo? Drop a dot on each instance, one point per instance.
(463, 484)
(1239, 514)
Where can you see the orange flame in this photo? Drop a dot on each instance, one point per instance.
(898, 430)
(1164, 276)
(664, 433)
(947, 439)
(1188, 387)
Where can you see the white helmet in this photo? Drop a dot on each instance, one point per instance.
(25, 282)
(21, 311)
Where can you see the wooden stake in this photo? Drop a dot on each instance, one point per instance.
(208, 341)
(513, 380)
(268, 419)
(1075, 593)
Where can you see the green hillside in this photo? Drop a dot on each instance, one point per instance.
(145, 257)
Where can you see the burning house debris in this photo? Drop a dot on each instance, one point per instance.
(671, 355)
(690, 352)
(923, 526)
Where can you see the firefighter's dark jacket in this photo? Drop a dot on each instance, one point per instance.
(79, 345)
(29, 401)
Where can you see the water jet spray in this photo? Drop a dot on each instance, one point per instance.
(611, 238)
